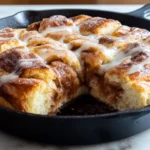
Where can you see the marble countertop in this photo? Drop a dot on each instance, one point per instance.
(137, 142)
(15, 8)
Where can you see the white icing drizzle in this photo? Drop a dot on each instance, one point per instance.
(59, 45)
(147, 40)
(20, 64)
(30, 37)
(139, 67)
(25, 50)
(70, 29)
(62, 38)
(121, 57)
(17, 37)
(27, 62)
(87, 45)
(4, 79)
(46, 53)
(4, 39)
(21, 43)
(93, 38)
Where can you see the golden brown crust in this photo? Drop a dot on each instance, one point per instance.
(27, 35)
(7, 33)
(34, 73)
(17, 90)
(4, 103)
(58, 36)
(132, 32)
(80, 18)
(72, 37)
(9, 59)
(34, 26)
(97, 25)
(55, 21)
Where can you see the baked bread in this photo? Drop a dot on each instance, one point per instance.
(53, 61)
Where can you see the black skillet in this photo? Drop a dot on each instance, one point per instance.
(84, 121)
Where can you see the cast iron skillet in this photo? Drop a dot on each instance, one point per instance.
(87, 129)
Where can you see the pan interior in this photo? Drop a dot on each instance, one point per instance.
(85, 105)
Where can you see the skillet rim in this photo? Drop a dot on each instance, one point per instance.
(30, 10)
(145, 110)
(106, 115)
(80, 9)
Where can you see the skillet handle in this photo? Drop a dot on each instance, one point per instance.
(143, 12)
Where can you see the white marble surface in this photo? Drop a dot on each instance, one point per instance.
(138, 142)
(6, 10)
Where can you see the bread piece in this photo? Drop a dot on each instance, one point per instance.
(125, 82)
(56, 23)
(97, 25)
(68, 84)
(28, 95)
(80, 18)
(51, 53)
(34, 26)
(22, 93)
(28, 35)
(132, 33)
